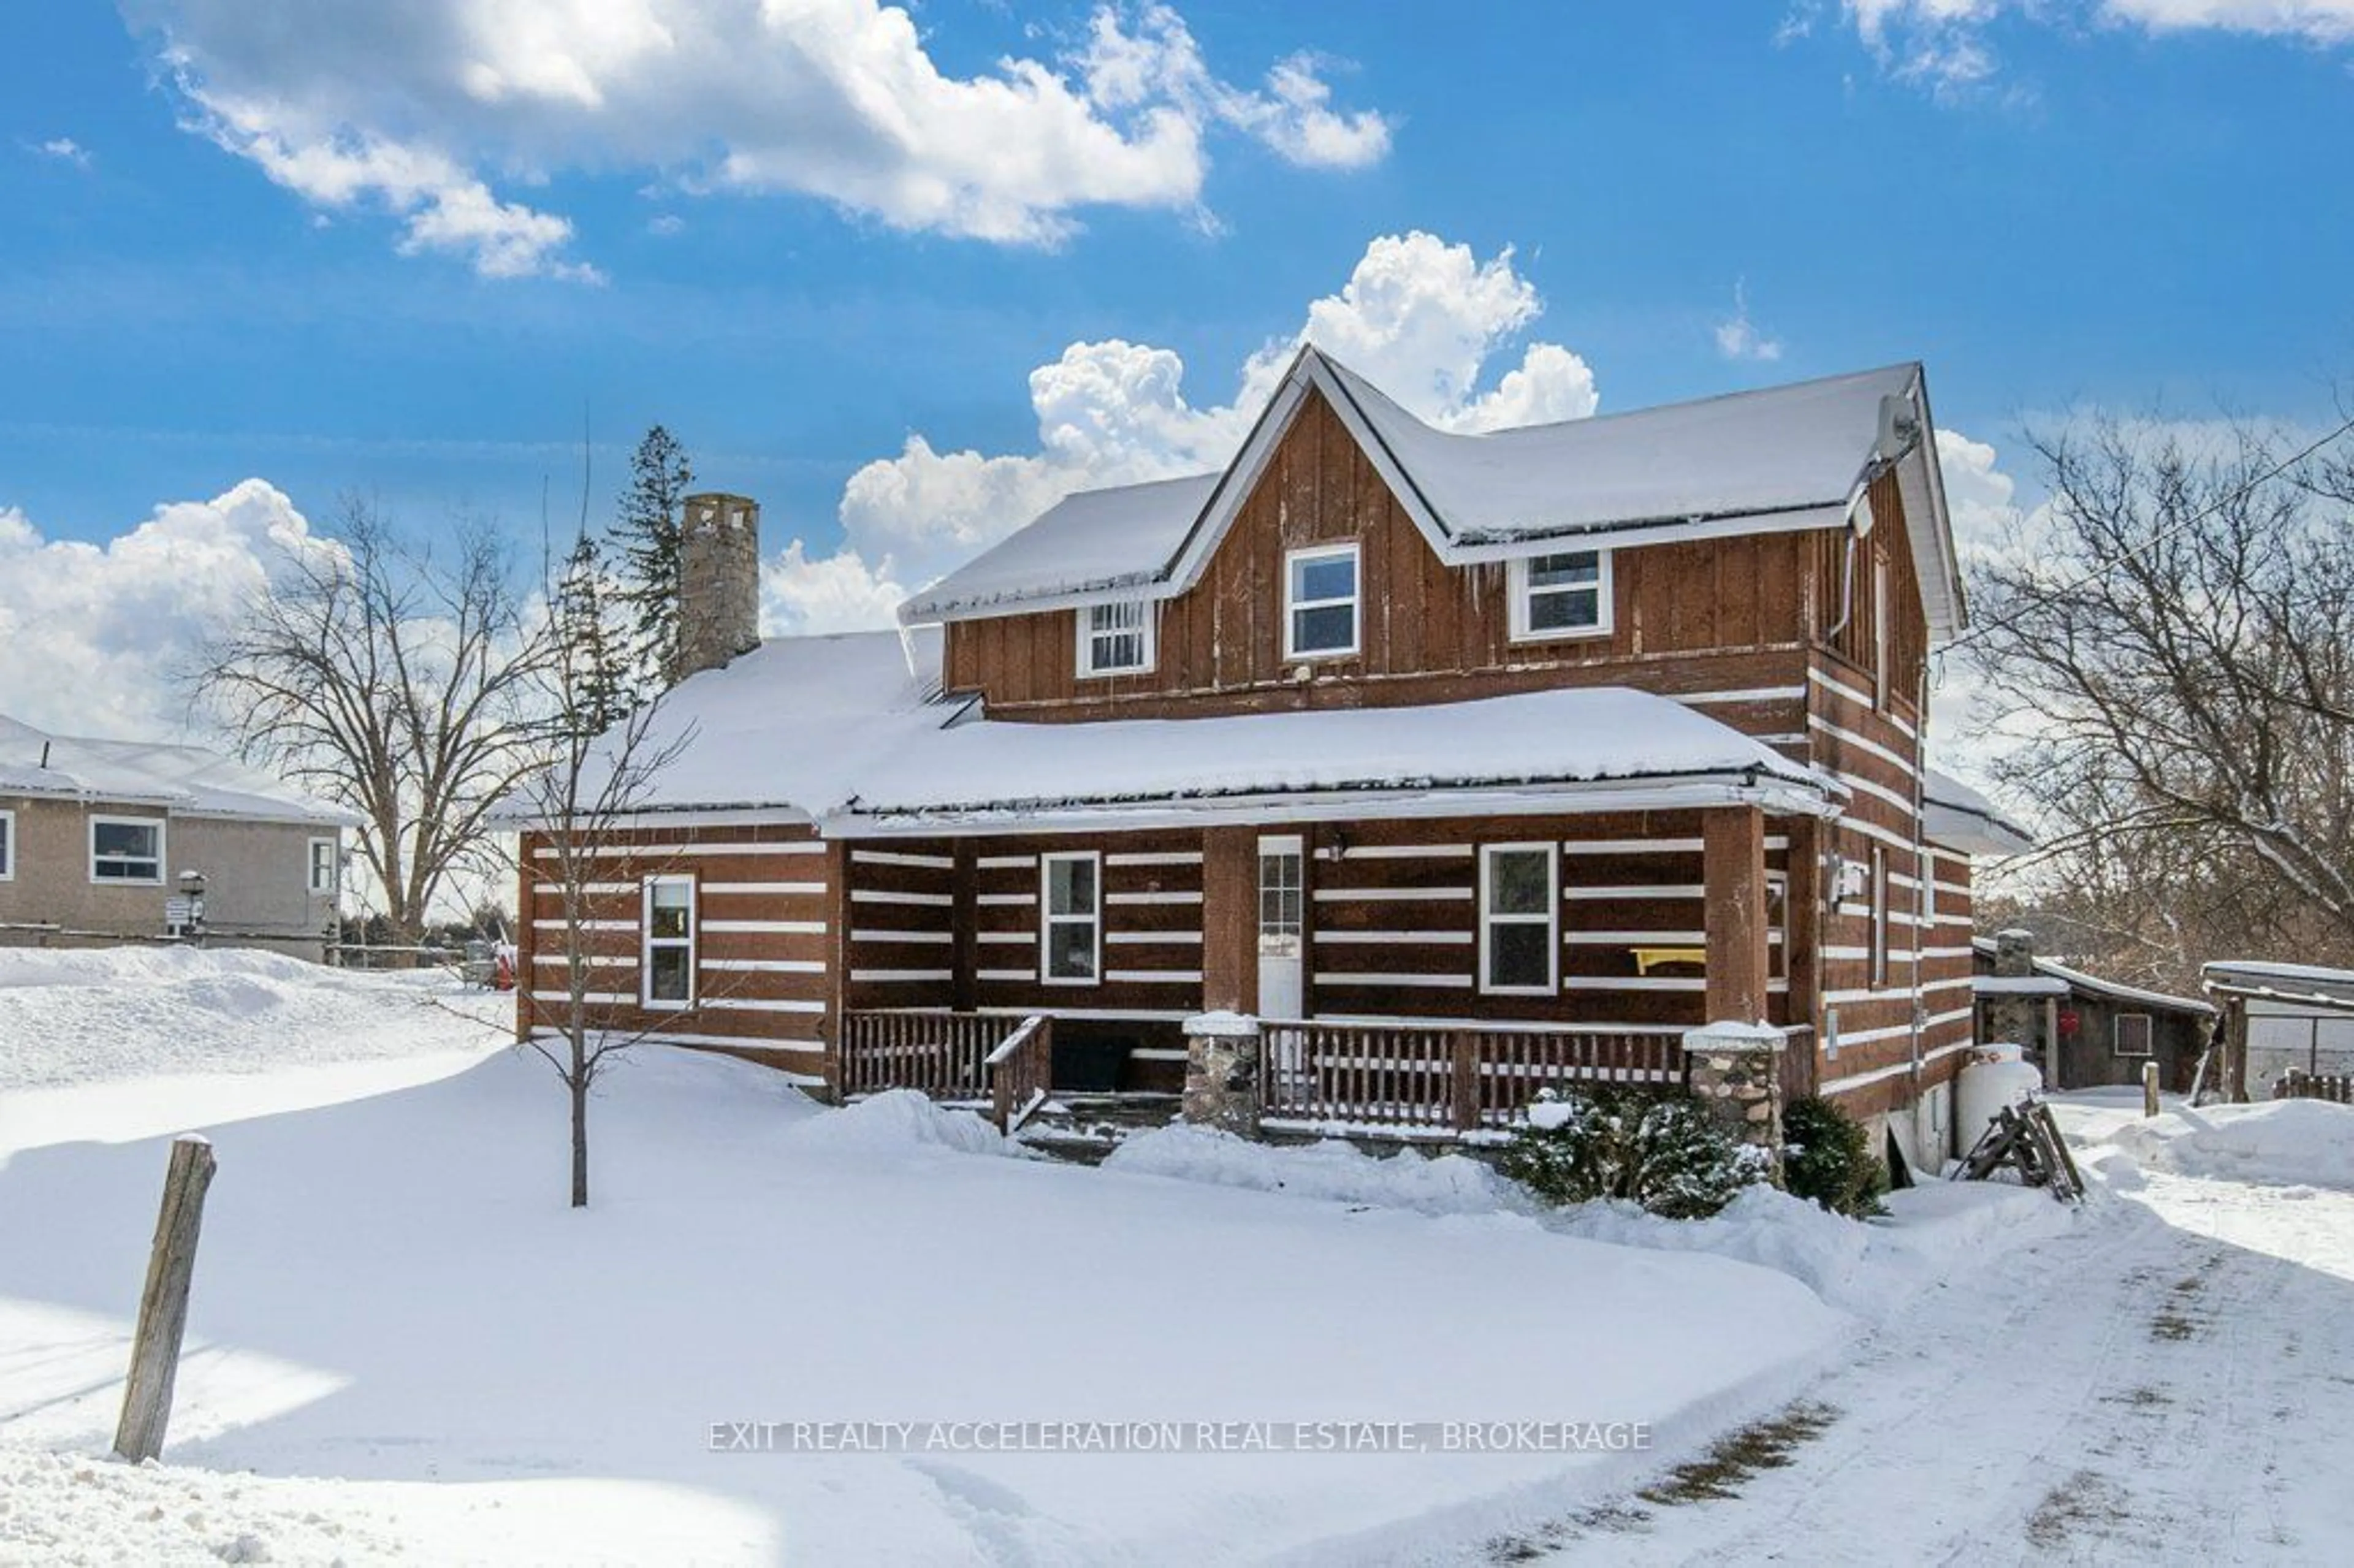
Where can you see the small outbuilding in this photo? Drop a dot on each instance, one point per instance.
(2083, 1031)
(2280, 1019)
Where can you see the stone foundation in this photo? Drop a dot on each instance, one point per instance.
(1221, 1072)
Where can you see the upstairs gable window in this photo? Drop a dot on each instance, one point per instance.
(1115, 638)
(1564, 595)
(1320, 595)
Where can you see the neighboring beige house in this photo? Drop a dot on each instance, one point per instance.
(107, 839)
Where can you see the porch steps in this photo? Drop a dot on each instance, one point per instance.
(1085, 1128)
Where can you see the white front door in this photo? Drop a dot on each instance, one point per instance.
(1282, 926)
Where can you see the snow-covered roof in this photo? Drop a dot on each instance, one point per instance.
(1533, 741)
(2331, 989)
(2077, 980)
(1955, 815)
(854, 733)
(792, 725)
(186, 779)
(2018, 985)
(1779, 457)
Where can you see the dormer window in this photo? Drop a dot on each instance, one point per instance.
(1565, 594)
(1115, 638)
(1320, 594)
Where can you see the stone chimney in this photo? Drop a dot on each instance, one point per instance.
(2014, 953)
(718, 583)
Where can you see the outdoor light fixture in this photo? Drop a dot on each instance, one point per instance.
(1336, 845)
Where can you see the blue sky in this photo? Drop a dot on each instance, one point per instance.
(2117, 203)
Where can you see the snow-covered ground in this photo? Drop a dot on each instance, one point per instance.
(404, 1345)
(2170, 1381)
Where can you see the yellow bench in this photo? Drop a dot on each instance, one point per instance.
(1647, 957)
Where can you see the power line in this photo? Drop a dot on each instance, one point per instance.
(2282, 467)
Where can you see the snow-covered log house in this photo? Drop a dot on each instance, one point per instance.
(1467, 763)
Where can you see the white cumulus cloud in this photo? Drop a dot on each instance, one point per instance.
(421, 109)
(1423, 319)
(94, 639)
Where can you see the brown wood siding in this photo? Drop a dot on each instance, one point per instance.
(1430, 631)
(763, 955)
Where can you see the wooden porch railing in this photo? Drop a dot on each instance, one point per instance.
(1021, 1073)
(961, 1057)
(1448, 1079)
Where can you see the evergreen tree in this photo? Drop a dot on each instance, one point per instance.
(593, 642)
(646, 534)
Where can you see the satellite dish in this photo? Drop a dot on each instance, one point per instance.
(1900, 428)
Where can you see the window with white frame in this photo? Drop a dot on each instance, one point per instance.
(667, 967)
(1320, 594)
(1519, 903)
(1070, 917)
(326, 862)
(7, 846)
(1115, 638)
(1564, 595)
(2131, 1034)
(128, 850)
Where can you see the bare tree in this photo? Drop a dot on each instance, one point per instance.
(396, 683)
(575, 811)
(2175, 634)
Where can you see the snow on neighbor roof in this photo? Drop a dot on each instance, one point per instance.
(1955, 815)
(2069, 978)
(2287, 982)
(792, 724)
(1597, 735)
(187, 779)
(1779, 457)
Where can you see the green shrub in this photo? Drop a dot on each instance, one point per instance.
(1664, 1151)
(1826, 1156)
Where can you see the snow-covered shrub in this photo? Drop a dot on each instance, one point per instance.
(1663, 1151)
(1826, 1156)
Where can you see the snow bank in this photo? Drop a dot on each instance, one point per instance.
(896, 1123)
(2282, 1143)
(66, 1510)
(1450, 1184)
(117, 1014)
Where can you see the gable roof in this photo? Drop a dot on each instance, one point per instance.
(1768, 460)
(187, 779)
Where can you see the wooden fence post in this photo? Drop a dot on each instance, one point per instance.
(164, 1305)
(2149, 1088)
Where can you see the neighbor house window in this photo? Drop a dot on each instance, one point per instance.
(1519, 933)
(1115, 638)
(669, 958)
(1070, 915)
(7, 846)
(1565, 594)
(127, 850)
(1320, 602)
(326, 857)
(2133, 1034)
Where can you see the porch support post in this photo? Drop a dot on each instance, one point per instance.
(1229, 920)
(1802, 943)
(1221, 1072)
(1735, 1071)
(964, 911)
(1732, 849)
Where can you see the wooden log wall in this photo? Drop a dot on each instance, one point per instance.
(763, 939)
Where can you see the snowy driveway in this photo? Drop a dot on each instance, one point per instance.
(2173, 1383)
